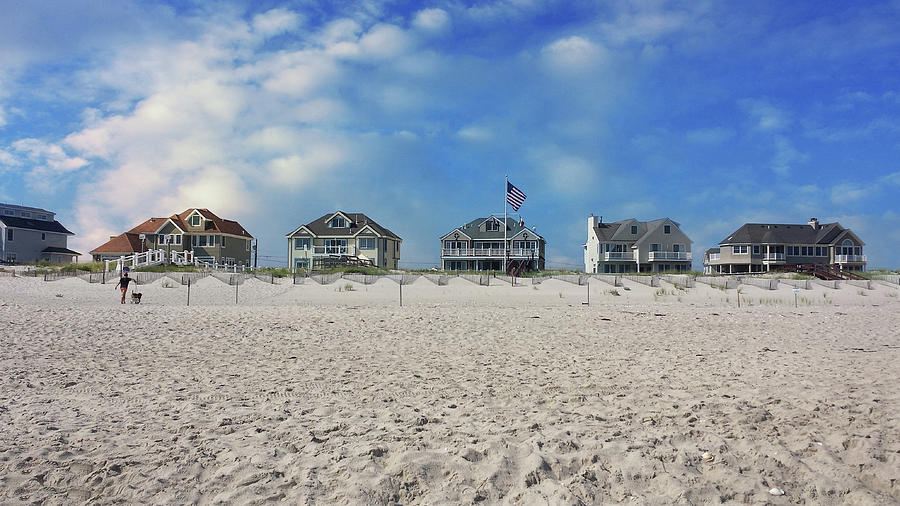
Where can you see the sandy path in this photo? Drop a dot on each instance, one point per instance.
(467, 393)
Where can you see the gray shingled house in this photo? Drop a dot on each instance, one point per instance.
(479, 246)
(341, 235)
(31, 234)
(636, 246)
(760, 247)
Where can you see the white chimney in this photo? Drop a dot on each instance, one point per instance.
(592, 222)
(814, 223)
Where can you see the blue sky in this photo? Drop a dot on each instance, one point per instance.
(273, 113)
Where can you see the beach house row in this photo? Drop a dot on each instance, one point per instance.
(32, 234)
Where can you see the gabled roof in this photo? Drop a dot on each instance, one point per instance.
(473, 230)
(31, 224)
(780, 233)
(621, 230)
(356, 222)
(123, 243)
(213, 224)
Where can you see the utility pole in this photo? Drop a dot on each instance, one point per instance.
(255, 253)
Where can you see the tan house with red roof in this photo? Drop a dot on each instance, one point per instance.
(199, 231)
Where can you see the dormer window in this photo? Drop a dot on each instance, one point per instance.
(667, 229)
(492, 226)
(337, 222)
(634, 229)
(195, 220)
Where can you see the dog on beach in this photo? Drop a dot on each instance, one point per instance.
(135, 298)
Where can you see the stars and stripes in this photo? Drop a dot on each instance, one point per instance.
(514, 196)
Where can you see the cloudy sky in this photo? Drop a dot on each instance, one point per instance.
(273, 113)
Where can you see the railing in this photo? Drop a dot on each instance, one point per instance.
(492, 252)
(669, 255)
(150, 257)
(334, 250)
(182, 257)
(777, 257)
(618, 255)
(844, 259)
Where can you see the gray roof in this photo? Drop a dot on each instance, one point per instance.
(61, 251)
(712, 250)
(621, 230)
(513, 227)
(780, 233)
(28, 223)
(358, 221)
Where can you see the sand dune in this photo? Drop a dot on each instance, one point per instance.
(319, 394)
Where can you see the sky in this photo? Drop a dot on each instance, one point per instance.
(713, 114)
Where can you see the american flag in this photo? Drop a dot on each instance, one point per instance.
(514, 196)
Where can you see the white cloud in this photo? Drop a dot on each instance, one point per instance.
(431, 20)
(846, 193)
(275, 22)
(475, 133)
(573, 54)
(765, 116)
(786, 156)
(384, 41)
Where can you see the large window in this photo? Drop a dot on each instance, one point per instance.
(756, 249)
(525, 245)
(301, 243)
(488, 244)
(454, 244)
(492, 226)
(367, 243)
(195, 220)
(667, 229)
(338, 222)
(634, 229)
(739, 250)
(336, 246)
(655, 247)
(9, 234)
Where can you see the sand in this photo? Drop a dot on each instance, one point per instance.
(501, 394)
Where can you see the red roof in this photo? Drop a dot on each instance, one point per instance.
(130, 243)
(123, 243)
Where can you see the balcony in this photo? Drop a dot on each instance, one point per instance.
(319, 251)
(682, 256)
(488, 253)
(773, 257)
(849, 259)
(618, 256)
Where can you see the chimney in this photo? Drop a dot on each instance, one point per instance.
(814, 223)
(592, 222)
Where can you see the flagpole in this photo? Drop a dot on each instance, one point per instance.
(505, 250)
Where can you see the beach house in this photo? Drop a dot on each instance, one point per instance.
(340, 238)
(635, 246)
(206, 236)
(761, 247)
(482, 245)
(31, 234)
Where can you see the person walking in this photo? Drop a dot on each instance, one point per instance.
(123, 282)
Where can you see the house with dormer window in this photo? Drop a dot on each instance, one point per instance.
(483, 244)
(208, 237)
(341, 238)
(761, 247)
(636, 246)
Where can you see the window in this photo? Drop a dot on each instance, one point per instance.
(43, 236)
(820, 251)
(654, 247)
(301, 263)
(202, 240)
(492, 226)
(301, 243)
(9, 212)
(366, 243)
(338, 222)
(756, 249)
(178, 239)
(678, 248)
(247, 244)
(634, 229)
(223, 241)
(454, 244)
(739, 250)
(793, 250)
(9, 234)
(488, 244)
(667, 229)
(161, 239)
(26, 214)
(528, 245)
(212, 240)
(335, 246)
(195, 220)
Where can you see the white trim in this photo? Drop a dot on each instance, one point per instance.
(369, 227)
(529, 232)
(454, 231)
(169, 220)
(304, 227)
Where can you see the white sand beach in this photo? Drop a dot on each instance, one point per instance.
(498, 394)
